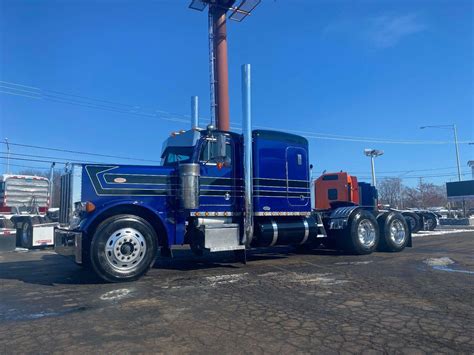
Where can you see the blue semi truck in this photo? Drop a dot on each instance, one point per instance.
(214, 191)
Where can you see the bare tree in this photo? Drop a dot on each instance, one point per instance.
(425, 195)
(389, 191)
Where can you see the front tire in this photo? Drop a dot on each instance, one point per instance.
(362, 235)
(123, 248)
(394, 232)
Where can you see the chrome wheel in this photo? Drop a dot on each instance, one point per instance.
(125, 249)
(430, 224)
(366, 233)
(397, 232)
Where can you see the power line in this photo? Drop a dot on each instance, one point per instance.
(70, 160)
(15, 89)
(117, 107)
(37, 160)
(27, 166)
(412, 177)
(79, 152)
(407, 171)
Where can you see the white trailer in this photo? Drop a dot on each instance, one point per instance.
(24, 200)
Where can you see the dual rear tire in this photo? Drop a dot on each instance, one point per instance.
(394, 232)
(366, 234)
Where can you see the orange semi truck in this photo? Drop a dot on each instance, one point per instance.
(339, 189)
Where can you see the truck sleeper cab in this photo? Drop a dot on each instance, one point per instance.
(115, 218)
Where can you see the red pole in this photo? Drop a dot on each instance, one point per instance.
(221, 69)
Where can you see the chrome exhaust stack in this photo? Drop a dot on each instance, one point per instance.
(248, 160)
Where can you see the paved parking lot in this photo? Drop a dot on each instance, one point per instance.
(420, 300)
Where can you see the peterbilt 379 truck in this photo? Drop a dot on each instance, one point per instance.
(214, 191)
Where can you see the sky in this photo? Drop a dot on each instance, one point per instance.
(348, 75)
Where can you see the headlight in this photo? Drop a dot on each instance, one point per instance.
(81, 208)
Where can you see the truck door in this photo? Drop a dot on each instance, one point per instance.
(218, 181)
(297, 176)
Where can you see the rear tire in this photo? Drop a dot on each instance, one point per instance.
(362, 234)
(123, 248)
(394, 232)
(26, 234)
(430, 222)
(414, 221)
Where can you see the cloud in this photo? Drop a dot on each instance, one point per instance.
(386, 31)
(381, 31)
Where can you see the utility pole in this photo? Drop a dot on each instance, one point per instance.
(218, 63)
(8, 156)
(51, 183)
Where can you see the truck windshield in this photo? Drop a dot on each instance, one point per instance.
(175, 155)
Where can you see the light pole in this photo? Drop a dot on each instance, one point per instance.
(455, 132)
(373, 153)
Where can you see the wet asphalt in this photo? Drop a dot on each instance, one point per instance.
(282, 301)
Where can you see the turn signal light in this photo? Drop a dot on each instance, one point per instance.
(90, 207)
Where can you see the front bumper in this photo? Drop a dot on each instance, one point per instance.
(68, 243)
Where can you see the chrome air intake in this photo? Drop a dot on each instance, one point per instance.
(189, 183)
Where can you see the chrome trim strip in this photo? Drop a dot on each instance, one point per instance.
(265, 214)
(275, 233)
(306, 231)
(214, 214)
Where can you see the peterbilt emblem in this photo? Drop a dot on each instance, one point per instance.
(227, 196)
(266, 208)
(120, 180)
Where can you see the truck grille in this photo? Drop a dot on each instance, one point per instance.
(65, 202)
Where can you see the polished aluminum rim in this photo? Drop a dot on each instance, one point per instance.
(366, 233)
(125, 249)
(429, 223)
(397, 232)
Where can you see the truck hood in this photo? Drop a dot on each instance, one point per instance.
(128, 180)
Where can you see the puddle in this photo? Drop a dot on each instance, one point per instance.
(15, 315)
(442, 263)
(449, 269)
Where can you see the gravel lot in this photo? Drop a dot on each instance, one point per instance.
(420, 300)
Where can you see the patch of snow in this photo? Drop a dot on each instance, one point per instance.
(440, 232)
(225, 279)
(115, 294)
(354, 262)
(444, 261)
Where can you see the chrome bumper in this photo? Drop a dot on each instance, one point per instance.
(68, 243)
